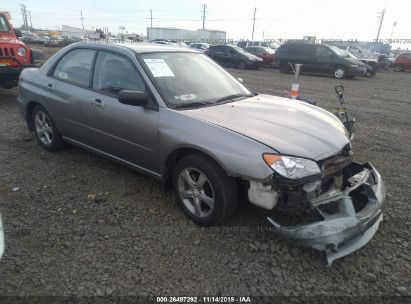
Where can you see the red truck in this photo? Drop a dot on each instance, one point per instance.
(14, 54)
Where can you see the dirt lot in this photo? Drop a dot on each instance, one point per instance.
(135, 240)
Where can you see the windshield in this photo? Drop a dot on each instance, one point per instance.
(338, 51)
(4, 25)
(238, 49)
(191, 79)
(269, 50)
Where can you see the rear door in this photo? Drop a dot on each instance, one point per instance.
(123, 131)
(67, 95)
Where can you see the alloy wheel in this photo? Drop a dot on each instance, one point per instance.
(43, 127)
(339, 73)
(196, 192)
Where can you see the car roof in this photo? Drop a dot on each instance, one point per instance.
(140, 48)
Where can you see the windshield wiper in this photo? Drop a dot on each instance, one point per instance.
(191, 104)
(230, 97)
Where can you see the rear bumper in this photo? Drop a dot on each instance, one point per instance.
(343, 232)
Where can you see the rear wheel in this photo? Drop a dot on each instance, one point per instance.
(45, 130)
(398, 68)
(203, 190)
(285, 67)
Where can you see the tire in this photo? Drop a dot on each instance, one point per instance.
(340, 72)
(197, 178)
(285, 68)
(45, 130)
(398, 68)
(242, 65)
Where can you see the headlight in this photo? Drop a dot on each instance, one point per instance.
(21, 51)
(291, 167)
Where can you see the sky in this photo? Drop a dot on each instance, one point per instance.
(325, 19)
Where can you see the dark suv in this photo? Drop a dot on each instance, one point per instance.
(233, 56)
(318, 58)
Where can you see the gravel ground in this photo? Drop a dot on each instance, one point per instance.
(131, 239)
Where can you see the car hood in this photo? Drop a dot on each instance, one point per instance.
(289, 127)
(355, 61)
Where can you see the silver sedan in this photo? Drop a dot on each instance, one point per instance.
(176, 115)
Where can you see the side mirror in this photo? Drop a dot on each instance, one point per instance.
(133, 98)
(18, 33)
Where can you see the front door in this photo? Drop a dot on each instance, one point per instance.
(127, 132)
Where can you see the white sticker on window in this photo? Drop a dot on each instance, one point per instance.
(63, 75)
(159, 68)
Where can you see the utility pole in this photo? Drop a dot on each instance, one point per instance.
(31, 23)
(393, 27)
(204, 14)
(381, 17)
(252, 34)
(151, 18)
(24, 13)
(82, 19)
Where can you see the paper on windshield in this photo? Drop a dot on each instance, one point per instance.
(159, 68)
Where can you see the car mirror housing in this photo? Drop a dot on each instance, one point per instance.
(133, 98)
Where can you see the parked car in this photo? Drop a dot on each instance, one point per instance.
(208, 138)
(201, 47)
(402, 62)
(318, 58)
(372, 66)
(233, 56)
(246, 43)
(14, 54)
(265, 53)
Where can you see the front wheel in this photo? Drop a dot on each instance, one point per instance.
(242, 65)
(45, 130)
(340, 73)
(203, 190)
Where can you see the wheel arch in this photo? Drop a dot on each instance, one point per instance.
(178, 153)
(29, 111)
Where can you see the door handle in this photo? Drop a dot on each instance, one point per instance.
(98, 103)
(48, 86)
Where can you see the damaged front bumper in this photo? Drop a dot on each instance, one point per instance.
(357, 212)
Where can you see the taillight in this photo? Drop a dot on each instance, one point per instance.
(206, 52)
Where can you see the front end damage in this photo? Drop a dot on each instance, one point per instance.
(338, 212)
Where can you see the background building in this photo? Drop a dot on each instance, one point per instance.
(171, 33)
(74, 32)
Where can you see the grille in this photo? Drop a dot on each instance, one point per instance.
(336, 164)
(7, 52)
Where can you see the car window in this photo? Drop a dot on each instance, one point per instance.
(75, 66)
(114, 73)
(322, 52)
(4, 27)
